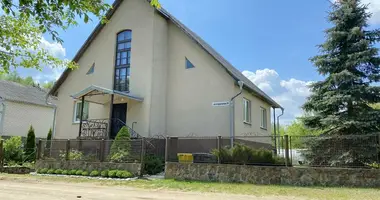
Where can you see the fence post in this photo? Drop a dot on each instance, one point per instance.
(67, 149)
(286, 141)
(102, 148)
(142, 157)
(219, 148)
(1, 153)
(167, 148)
(39, 149)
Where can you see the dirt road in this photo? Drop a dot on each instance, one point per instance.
(17, 190)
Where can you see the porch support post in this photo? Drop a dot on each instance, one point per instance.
(81, 118)
(110, 117)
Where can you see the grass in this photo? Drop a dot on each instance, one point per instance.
(231, 188)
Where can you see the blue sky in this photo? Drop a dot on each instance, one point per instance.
(269, 41)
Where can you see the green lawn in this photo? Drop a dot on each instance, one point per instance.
(248, 189)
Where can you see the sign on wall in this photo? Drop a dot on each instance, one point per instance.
(220, 103)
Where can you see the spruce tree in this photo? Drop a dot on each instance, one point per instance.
(341, 103)
(30, 147)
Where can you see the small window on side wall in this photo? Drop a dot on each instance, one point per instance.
(77, 111)
(189, 65)
(247, 111)
(91, 70)
(263, 114)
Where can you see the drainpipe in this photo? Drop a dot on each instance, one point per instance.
(278, 126)
(232, 113)
(274, 130)
(2, 114)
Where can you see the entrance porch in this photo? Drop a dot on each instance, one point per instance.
(117, 101)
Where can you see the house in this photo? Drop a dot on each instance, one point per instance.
(22, 106)
(146, 70)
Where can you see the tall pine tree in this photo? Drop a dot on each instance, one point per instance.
(341, 102)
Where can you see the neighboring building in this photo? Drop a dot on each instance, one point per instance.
(146, 69)
(22, 106)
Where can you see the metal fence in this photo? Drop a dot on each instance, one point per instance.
(93, 150)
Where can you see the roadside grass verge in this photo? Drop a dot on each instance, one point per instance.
(317, 193)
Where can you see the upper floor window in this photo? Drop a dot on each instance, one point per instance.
(247, 110)
(91, 70)
(123, 61)
(189, 65)
(263, 113)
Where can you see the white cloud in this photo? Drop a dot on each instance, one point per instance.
(54, 48)
(374, 8)
(290, 94)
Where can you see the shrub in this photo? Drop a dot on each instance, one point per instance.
(73, 172)
(121, 146)
(73, 155)
(50, 171)
(79, 172)
(94, 173)
(104, 173)
(65, 172)
(242, 154)
(126, 174)
(42, 171)
(30, 147)
(112, 173)
(58, 171)
(13, 149)
(153, 164)
(48, 143)
(85, 173)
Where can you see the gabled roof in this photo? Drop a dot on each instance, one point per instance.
(236, 74)
(16, 92)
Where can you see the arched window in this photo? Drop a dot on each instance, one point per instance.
(123, 61)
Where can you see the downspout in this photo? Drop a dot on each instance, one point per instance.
(278, 126)
(232, 113)
(2, 114)
(274, 130)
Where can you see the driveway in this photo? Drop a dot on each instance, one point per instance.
(17, 190)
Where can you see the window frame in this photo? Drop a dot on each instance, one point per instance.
(122, 84)
(76, 111)
(249, 110)
(263, 118)
(186, 64)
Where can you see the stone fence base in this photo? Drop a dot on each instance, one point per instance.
(134, 168)
(296, 176)
(15, 170)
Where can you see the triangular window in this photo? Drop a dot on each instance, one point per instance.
(189, 65)
(91, 70)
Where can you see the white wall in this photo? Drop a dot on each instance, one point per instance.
(19, 116)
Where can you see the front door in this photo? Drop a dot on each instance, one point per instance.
(119, 118)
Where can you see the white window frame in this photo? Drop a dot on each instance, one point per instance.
(264, 118)
(76, 111)
(247, 110)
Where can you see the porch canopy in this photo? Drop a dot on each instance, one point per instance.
(100, 95)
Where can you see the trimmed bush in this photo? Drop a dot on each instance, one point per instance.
(104, 173)
(126, 174)
(42, 171)
(50, 171)
(65, 172)
(30, 147)
(12, 149)
(58, 171)
(153, 165)
(112, 173)
(79, 172)
(121, 146)
(119, 173)
(72, 172)
(94, 173)
(85, 173)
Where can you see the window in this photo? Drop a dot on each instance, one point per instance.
(91, 70)
(263, 114)
(123, 61)
(247, 110)
(189, 65)
(77, 110)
